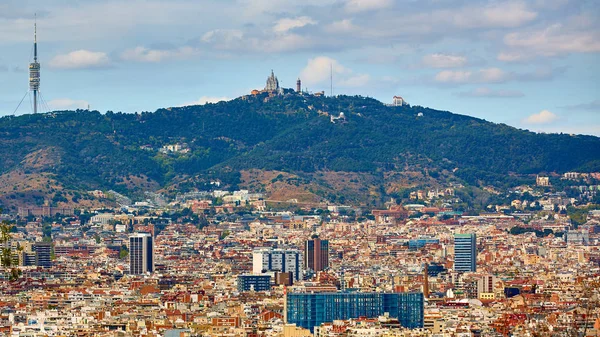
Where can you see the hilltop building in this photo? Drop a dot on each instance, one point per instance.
(398, 101)
(273, 84)
(542, 181)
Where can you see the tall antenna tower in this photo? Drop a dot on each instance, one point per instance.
(331, 78)
(34, 70)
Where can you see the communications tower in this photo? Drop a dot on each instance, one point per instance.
(34, 71)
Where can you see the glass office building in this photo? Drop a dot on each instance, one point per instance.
(253, 283)
(308, 310)
(465, 253)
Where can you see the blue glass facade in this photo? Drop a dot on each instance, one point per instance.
(465, 253)
(421, 242)
(311, 309)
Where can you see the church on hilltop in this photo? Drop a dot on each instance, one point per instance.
(272, 83)
(272, 87)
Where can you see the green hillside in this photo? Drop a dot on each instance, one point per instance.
(83, 150)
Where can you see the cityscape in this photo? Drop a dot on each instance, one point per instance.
(305, 210)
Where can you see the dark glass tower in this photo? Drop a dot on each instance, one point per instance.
(316, 254)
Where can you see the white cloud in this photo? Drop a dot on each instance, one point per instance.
(487, 75)
(499, 14)
(143, 54)
(342, 26)
(222, 35)
(80, 59)
(237, 41)
(67, 104)
(543, 117)
(319, 69)
(354, 6)
(452, 76)
(492, 75)
(551, 41)
(487, 92)
(206, 99)
(444, 61)
(286, 24)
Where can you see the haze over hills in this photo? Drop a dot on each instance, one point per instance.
(291, 142)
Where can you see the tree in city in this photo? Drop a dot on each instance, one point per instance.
(6, 257)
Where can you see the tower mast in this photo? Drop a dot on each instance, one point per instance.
(34, 70)
(331, 78)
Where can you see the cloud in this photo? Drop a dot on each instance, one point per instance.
(591, 106)
(80, 59)
(143, 54)
(487, 75)
(354, 6)
(341, 26)
(224, 35)
(287, 24)
(554, 40)
(237, 41)
(355, 81)
(67, 104)
(498, 14)
(319, 69)
(487, 92)
(206, 99)
(543, 117)
(444, 61)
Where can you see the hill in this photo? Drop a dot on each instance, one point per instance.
(274, 144)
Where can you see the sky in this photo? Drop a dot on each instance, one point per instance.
(530, 64)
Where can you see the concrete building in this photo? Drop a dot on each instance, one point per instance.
(277, 260)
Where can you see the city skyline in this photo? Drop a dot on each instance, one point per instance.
(529, 64)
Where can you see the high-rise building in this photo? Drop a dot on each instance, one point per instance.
(465, 252)
(253, 283)
(43, 251)
(316, 253)
(308, 310)
(277, 260)
(141, 253)
(298, 86)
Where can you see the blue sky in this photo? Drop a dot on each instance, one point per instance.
(530, 64)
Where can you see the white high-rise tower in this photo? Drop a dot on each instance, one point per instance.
(141, 253)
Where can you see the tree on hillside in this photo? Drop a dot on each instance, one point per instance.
(6, 257)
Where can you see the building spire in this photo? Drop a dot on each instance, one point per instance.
(35, 38)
